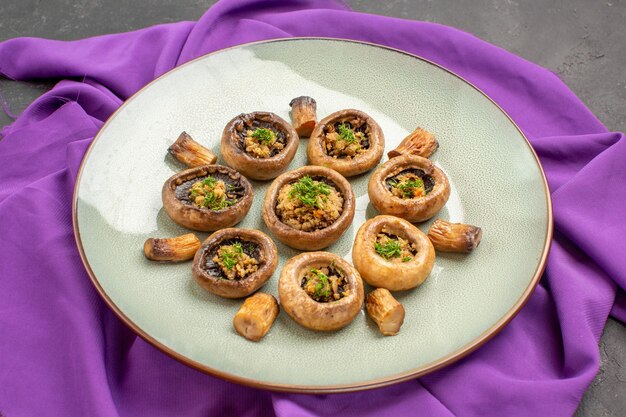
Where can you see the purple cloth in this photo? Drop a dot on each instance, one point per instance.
(63, 352)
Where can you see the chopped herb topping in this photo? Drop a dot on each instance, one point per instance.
(322, 288)
(408, 187)
(325, 284)
(346, 133)
(309, 191)
(394, 248)
(389, 249)
(209, 181)
(230, 256)
(264, 136)
(212, 194)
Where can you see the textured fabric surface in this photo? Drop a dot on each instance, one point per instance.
(64, 353)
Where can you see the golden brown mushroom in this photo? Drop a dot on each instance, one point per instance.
(420, 143)
(348, 141)
(391, 253)
(410, 187)
(320, 291)
(173, 249)
(234, 263)
(309, 208)
(303, 115)
(207, 198)
(256, 316)
(454, 237)
(190, 152)
(386, 311)
(260, 145)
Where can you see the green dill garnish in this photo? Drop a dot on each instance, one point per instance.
(407, 187)
(209, 181)
(346, 133)
(216, 203)
(307, 191)
(238, 248)
(390, 249)
(406, 259)
(322, 288)
(230, 256)
(263, 136)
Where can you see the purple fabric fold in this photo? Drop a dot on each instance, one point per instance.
(63, 352)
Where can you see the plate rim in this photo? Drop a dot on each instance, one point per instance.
(420, 371)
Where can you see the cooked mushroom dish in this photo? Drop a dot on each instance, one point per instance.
(389, 252)
(207, 198)
(348, 141)
(410, 187)
(320, 290)
(259, 144)
(309, 208)
(235, 262)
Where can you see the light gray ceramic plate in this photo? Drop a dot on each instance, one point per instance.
(497, 183)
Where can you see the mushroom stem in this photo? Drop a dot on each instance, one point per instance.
(173, 249)
(256, 316)
(420, 142)
(303, 114)
(385, 310)
(454, 237)
(190, 152)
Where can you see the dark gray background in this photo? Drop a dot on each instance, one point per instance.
(583, 41)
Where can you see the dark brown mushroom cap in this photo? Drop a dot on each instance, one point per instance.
(267, 257)
(347, 167)
(258, 168)
(412, 209)
(200, 218)
(318, 239)
(306, 311)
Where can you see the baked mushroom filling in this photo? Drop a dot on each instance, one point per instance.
(346, 139)
(410, 183)
(232, 259)
(325, 284)
(214, 192)
(260, 139)
(309, 204)
(393, 248)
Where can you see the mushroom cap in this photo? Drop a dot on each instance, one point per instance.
(248, 165)
(347, 167)
(202, 218)
(306, 311)
(412, 209)
(317, 239)
(381, 273)
(268, 262)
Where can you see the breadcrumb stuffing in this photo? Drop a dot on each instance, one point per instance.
(308, 211)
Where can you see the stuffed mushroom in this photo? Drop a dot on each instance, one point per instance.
(320, 291)
(234, 263)
(348, 141)
(410, 187)
(391, 253)
(260, 145)
(309, 208)
(207, 198)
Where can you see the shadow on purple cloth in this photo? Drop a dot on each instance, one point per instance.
(64, 353)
